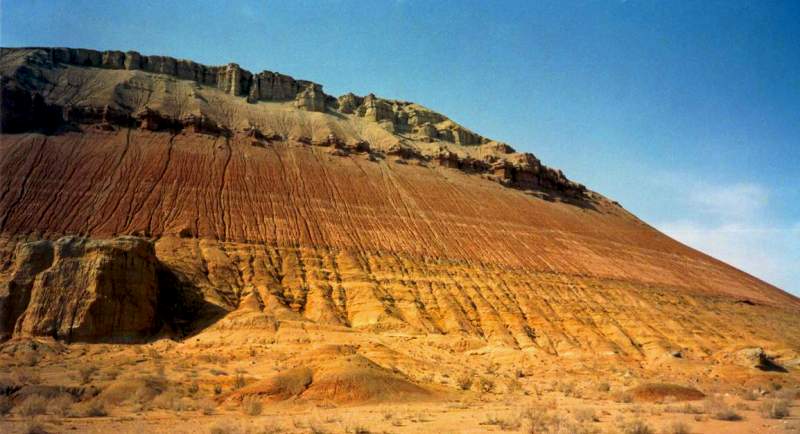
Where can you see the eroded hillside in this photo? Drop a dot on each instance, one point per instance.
(270, 203)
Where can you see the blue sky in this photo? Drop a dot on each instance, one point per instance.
(687, 112)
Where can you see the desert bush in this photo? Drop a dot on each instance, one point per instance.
(686, 408)
(749, 395)
(252, 406)
(357, 429)
(217, 389)
(567, 388)
(111, 374)
(34, 427)
(225, 427)
(487, 385)
(93, 408)
(140, 390)
(60, 405)
(636, 427)
(788, 394)
(193, 388)
(172, 399)
(24, 377)
(5, 405)
(33, 405)
(585, 414)
(775, 408)
(238, 381)
(464, 382)
(718, 409)
(30, 359)
(677, 427)
(624, 397)
(85, 373)
(603, 387)
(207, 407)
(513, 386)
(510, 423)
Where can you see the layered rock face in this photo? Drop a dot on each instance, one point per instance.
(359, 215)
(77, 289)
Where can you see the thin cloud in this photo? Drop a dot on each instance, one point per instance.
(731, 223)
(741, 201)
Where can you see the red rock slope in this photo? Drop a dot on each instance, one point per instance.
(351, 219)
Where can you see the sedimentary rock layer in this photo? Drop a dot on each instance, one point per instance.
(265, 214)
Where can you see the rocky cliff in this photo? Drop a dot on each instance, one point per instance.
(82, 290)
(280, 206)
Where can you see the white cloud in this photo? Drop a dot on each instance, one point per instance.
(731, 223)
(736, 201)
(770, 253)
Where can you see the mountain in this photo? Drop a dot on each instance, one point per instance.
(146, 197)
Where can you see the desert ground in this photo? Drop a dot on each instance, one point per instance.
(204, 384)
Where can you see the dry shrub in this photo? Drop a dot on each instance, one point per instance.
(61, 405)
(585, 414)
(33, 405)
(140, 390)
(24, 377)
(637, 426)
(749, 395)
(172, 399)
(357, 429)
(775, 408)
(34, 427)
(86, 373)
(30, 359)
(567, 388)
(487, 385)
(239, 381)
(510, 423)
(788, 394)
(686, 408)
(717, 408)
(677, 427)
(624, 397)
(225, 427)
(207, 407)
(252, 406)
(464, 382)
(513, 386)
(603, 387)
(92, 408)
(5, 405)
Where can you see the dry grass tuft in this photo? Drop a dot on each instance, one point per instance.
(677, 427)
(93, 408)
(33, 405)
(636, 427)
(5, 405)
(464, 382)
(61, 405)
(716, 407)
(252, 406)
(775, 408)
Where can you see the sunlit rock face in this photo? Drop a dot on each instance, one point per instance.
(255, 201)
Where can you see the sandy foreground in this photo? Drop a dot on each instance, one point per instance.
(206, 386)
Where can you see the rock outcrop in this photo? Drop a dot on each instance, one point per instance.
(76, 289)
(311, 98)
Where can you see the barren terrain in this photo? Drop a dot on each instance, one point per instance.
(189, 248)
